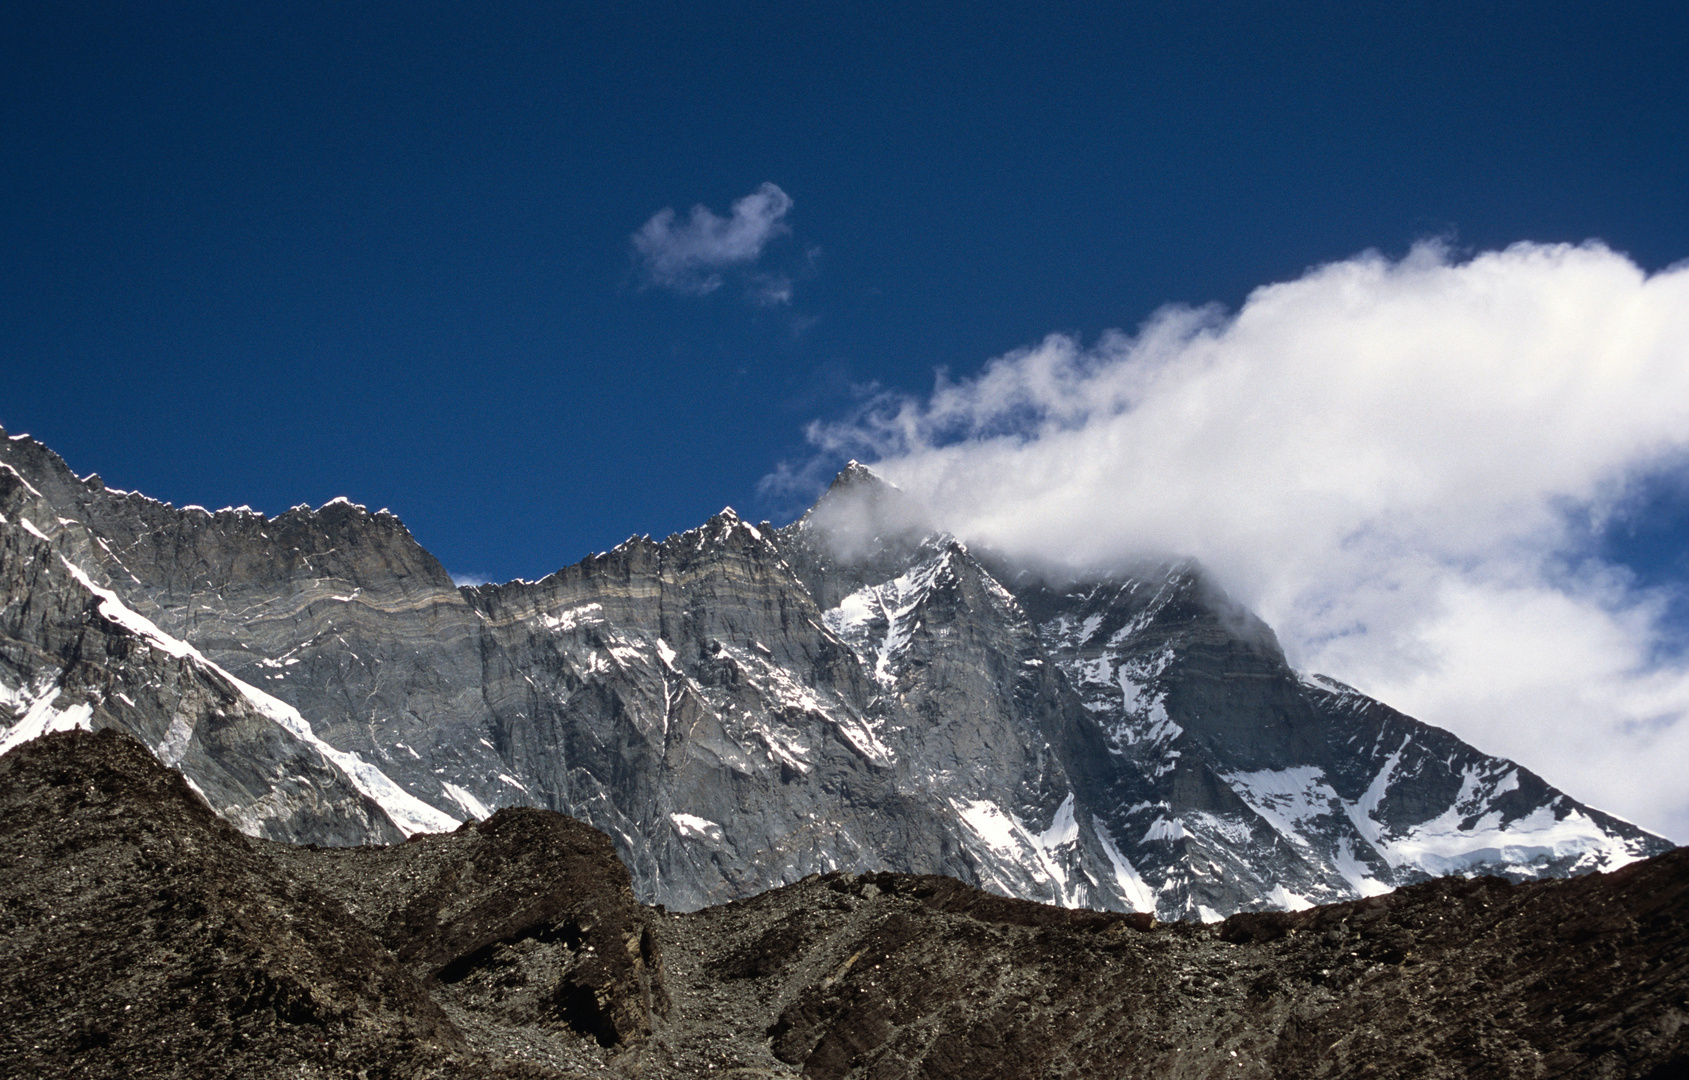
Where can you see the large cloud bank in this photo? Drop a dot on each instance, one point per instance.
(1401, 465)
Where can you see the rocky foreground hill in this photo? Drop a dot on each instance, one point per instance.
(740, 707)
(142, 936)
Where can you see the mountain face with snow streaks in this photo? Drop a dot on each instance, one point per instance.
(73, 655)
(739, 706)
(1253, 780)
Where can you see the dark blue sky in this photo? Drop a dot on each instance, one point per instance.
(271, 254)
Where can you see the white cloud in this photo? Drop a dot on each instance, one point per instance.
(688, 256)
(1399, 465)
(471, 580)
(768, 290)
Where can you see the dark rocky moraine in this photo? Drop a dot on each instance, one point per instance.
(143, 936)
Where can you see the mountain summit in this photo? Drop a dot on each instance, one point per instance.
(739, 706)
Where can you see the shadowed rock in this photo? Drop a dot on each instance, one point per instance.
(142, 936)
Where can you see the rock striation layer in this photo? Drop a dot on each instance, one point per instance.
(739, 707)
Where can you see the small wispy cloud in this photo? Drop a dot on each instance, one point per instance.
(769, 290)
(471, 580)
(690, 256)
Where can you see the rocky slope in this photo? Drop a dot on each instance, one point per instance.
(739, 707)
(142, 936)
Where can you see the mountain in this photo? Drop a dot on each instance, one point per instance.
(142, 936)
(739, 707)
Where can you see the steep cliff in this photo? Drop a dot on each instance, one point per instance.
(739, 707)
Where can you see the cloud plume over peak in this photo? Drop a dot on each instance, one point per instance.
(1400, 464)
(689, 256)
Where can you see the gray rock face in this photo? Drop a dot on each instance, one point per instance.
(1241, 780)
(73, 655)
(739, 706)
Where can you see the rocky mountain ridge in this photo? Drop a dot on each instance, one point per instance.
(143, 936)
(739, 707)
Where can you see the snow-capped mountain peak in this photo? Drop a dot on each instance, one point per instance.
(739, 706)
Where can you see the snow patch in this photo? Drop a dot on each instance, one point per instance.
(667, 653)
(472, 806)
(1362, 810)
(1452, 843)
(991, 824)
(43, 717)
(1287, 798)
(1043, 856)
(879, 621)
(1132, 886)
(1356, 873)
(568, 619)
(867, 742)
(1283, 899)
(692, 827)
(625, 654)
(1165, 829)
(31, 488)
